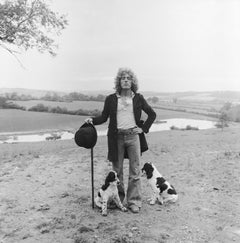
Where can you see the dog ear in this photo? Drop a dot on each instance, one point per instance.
(110, 177)
(105, 186)
(149, 170)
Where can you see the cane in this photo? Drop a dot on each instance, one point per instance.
(86, 137)
(92, 173)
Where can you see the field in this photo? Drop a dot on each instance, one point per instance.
(183, 104)
(45, 187)
(71, 106)
(26, 121)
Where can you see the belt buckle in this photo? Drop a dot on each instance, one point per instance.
(126, 131)
(129, 131)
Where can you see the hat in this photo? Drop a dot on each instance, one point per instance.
(86, 136)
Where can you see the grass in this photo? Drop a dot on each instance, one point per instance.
(18, 120)
(190, 107)
(169, 114)
(26, 121)
(72, 106)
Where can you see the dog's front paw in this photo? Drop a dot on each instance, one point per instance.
(104, 213)
(152, 202)
(124, 209)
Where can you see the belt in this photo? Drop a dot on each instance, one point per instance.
(126, 131)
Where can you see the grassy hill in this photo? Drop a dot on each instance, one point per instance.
(26, 121)
(196, 105)
(33, 92)
(188, 95)
(75, 105)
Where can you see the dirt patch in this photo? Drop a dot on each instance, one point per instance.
(45, 191)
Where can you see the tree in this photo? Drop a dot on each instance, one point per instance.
(29, 24)
(175, 99)
(3, 102)
(39, 108)
(223, 120)
(226, 107)
(153, 99)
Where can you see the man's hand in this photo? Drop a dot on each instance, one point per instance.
(137, 130)
(89, 120)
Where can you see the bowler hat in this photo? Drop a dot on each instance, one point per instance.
(86, 136)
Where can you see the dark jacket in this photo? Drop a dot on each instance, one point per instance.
(110, 111)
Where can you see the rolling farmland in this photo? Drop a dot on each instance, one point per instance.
(23, 121)
(72, 106)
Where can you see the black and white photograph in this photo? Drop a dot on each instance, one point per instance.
(119, 121)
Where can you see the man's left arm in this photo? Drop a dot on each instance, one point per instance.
(151, 115)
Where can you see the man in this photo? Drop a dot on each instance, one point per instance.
(126, 132)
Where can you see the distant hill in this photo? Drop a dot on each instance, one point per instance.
(189, 95)
(231, 96)
(33, 92)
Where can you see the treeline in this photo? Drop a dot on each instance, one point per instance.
(228, 111)
(53, 96)
(5, 104)
(60, 110)
(209, 114)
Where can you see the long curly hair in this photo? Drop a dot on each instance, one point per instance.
(120, 73)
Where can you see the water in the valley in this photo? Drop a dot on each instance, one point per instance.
(63, 135)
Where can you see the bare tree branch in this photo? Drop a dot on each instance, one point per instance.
(12, 52)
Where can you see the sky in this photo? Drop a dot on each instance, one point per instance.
(171, 45)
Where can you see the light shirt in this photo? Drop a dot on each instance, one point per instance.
(125, 116)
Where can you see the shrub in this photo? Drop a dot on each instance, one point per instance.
(223, 120)
(59, 110)
(39, 108)
(174, 128)
(188, 127)
(220, 125)
(4, 104)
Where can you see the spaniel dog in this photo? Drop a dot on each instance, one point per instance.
(162, 190)
(108, 193)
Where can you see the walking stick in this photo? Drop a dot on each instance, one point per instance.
(86, 137)
(92, 174)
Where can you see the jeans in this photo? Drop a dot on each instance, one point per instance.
(130, 144)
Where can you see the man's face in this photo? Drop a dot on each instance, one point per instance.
(126, 81)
